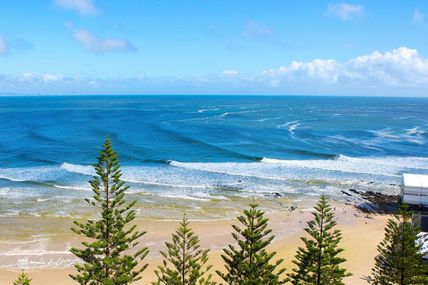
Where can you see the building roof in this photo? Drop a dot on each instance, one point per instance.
(415, 180)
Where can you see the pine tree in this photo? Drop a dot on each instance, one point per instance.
(400, 260)
(318, 262)
(184, 261)
(23, 279)
(249, 263)
(104, 256)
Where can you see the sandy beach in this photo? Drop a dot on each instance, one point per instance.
(361, 234)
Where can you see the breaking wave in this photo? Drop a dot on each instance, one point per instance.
(203, 175)
(341, 167)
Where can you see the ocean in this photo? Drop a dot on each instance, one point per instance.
(205, 152)
(208, 156)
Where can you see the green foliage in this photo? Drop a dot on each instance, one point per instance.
(23, 279)
(108, 238)
(184, 261)
(399, 260)
(318, 261)
(249, 263)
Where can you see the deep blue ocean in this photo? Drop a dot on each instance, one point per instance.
(199, 148)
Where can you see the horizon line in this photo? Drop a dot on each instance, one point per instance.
(212, 94)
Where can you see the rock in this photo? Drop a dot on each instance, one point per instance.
(354, 191)
(376, 202)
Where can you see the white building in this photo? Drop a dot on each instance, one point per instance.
(414, 189)
(423, 240)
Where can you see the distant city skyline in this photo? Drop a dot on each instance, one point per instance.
(370, 48)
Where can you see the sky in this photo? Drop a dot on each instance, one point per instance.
(302, 47)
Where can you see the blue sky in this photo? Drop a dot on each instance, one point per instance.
(214, 47)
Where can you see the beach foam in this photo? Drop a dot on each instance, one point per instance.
(388, 166)
(270, 168)
(206, 176)
(80, 169)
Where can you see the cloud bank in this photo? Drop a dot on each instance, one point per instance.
(398, 72)
(400, 67)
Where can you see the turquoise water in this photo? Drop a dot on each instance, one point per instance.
(189, 149)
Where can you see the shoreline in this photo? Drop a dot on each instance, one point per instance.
(361, 234)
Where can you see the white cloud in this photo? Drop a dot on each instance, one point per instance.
(3, 46)
(345, 11)
(318, 69)
(230, 73)
(418, 16)
(41, 77)
(399, 67)
(97, 45)
(83, 7)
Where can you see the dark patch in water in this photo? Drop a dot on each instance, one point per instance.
(222, 150)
